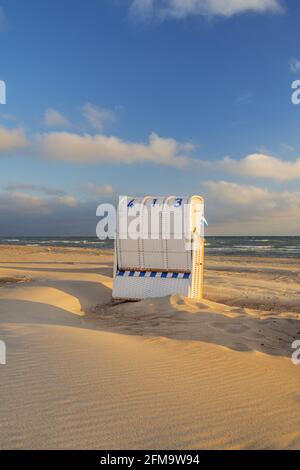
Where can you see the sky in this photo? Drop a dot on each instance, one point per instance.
(159, 97)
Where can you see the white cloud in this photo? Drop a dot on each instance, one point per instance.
(67, 200)
(15, 201)
(97, 148)
(225, 192)
(20, 200)
(142, 9)
(99, 190)
(97, 117)
(12, 140)
(32, 214)
(53, 118)
(29, 202)
(234, 209)
(261, 201)
(295, 65)
(184, 8)
(76, 148)
(35, 188)
(262, 166)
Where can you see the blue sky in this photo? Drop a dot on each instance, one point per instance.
(108, 97)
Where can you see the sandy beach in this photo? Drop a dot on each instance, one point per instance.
(84, 372)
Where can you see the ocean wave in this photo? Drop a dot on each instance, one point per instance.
(284, 247)
(254, 247)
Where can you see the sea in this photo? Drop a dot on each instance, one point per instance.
(264, 246)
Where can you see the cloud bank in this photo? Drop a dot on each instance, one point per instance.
(262, 166)
(99, 148)
(33, 210)
(35, 188)
(236, 209)
(95, 190)
(182, 8)
(231, 208)
(12, 140)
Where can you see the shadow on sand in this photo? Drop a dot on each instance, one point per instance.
(174, 317)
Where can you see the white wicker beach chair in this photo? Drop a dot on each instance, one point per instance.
(159, 247)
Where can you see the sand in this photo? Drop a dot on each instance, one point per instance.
(169, 373)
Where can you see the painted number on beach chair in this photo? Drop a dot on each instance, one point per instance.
(130, 203)
(178, 202)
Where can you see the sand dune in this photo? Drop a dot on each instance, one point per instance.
(179, 318)
(83, 372)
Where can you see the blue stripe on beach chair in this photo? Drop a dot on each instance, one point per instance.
(162, 274)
